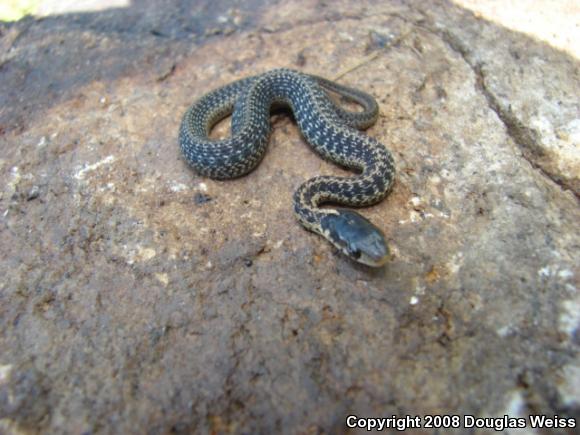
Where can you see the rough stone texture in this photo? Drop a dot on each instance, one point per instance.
(138, 297)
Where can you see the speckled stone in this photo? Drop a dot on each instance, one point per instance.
(138, 297)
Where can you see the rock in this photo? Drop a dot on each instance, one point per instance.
(201, 198)
(132, 303)
(23, 395)
(33, 193)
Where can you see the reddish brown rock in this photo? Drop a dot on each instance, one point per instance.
(137, 296)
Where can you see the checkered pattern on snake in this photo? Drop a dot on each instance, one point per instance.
(331, 131)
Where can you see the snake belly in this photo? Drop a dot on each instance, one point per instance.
(331, 131)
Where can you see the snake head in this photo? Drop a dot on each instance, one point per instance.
(356, 237)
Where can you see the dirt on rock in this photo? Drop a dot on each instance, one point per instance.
(139, 297)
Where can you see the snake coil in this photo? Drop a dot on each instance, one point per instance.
(331, 131)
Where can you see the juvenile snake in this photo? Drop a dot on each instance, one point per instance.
(331, 130)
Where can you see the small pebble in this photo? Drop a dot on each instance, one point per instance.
(202, 198)
(380, 40)
(33, 193)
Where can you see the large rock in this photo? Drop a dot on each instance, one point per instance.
(137, 296)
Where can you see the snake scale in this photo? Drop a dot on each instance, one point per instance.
(333, 132)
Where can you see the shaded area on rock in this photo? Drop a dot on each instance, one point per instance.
(137, 295)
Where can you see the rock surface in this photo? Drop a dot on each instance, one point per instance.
(139, 297)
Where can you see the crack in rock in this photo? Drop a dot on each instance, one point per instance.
(525, 138)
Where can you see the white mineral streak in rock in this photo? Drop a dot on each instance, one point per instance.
(5, 371)
(516, 408)
(81, 173)
(569, 320)
(133, 254)
(177, 187)
(163, 278)
(570, 386)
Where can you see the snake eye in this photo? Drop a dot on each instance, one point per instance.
(354, 253)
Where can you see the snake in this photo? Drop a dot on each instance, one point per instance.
(331, 130)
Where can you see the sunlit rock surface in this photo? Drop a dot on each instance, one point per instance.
(139, 297)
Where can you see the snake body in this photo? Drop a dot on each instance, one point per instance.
(332, 132)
